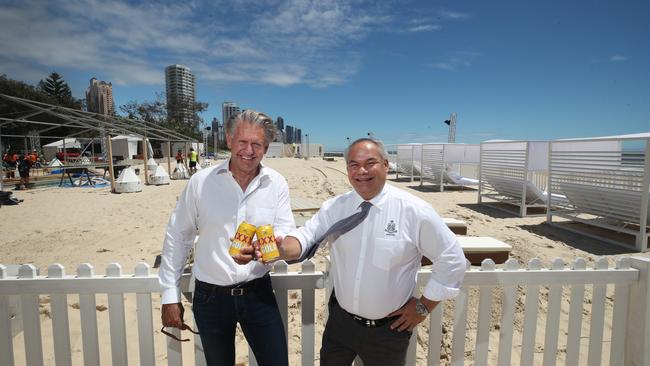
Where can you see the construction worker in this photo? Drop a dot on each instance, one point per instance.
(194, 158)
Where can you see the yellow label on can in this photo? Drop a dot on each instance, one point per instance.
(268, 246)
(243, 237)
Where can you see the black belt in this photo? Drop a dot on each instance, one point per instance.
(237, 289)
(368, 323)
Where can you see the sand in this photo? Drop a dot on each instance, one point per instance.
(71, 226)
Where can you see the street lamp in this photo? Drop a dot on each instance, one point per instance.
(307, 138)
(347, 138)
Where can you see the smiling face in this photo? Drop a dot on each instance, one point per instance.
(367, 169)
(247, 148)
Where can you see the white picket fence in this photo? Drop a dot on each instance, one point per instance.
(495, 320)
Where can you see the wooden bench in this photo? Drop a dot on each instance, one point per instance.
(457, 227)
(478, 248)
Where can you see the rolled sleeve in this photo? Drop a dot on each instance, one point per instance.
(441, 246)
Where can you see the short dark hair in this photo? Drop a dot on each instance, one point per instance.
(379, 144)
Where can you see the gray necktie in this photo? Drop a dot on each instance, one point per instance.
(339, 228)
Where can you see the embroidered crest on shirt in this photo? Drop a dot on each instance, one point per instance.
(391, 228)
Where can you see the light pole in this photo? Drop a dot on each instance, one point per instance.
(347, 138)
(307, 138)
(207, 140)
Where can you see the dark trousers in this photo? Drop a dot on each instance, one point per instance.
(217, 314)
(344, 338)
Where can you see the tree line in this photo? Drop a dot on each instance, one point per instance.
(56, 91)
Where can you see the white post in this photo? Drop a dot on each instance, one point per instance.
(522, 209)
(480, 177)
(638, 316)
(549, 191)
(642, 236)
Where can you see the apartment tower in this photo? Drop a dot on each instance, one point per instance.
(99, 97)
(181, 94)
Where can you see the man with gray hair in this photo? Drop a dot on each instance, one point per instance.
(377, 235)
(229, 290)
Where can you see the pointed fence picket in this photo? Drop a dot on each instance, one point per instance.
(526, 296)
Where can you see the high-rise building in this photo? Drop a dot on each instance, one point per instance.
(298, 138)
(279, 130)
(181, 95)
(99, 97)
(289, 135)
(229, 109)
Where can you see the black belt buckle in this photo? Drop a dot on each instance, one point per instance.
(238, 291)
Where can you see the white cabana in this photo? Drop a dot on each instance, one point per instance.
(128, 182)
(159, 177)
(50, 150)
(125, 146)
(446, 164)
(310, 150)
(515, 173)
(409, 160)
(605, 182)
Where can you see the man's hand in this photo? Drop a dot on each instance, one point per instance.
(247, 254)
(172, 315)
(409, 318)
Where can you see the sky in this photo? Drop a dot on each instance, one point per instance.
(520, 70)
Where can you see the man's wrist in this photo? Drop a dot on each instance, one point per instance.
(429, 304)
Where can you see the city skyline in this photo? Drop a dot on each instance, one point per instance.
(344, 69)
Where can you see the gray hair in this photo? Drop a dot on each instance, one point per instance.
(379, 144)
(253, 117)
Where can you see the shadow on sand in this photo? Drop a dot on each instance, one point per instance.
(488, 210)
(577, 241)
(436, 189)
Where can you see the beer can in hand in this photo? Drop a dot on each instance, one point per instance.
(268, 246)
(243, 237)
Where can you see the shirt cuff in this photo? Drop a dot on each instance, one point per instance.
(437, 292)
(301, 239)
(171, 296)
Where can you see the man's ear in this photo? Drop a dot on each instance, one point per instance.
(229, 141)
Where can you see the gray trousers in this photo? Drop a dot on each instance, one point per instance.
(344, 338)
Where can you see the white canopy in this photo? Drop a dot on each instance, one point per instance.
(69, 143)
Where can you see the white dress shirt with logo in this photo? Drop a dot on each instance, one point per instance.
(374, 265)
(211, 207)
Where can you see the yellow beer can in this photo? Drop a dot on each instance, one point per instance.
(268, 246)
(243, 237)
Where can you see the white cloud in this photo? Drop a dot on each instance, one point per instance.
(425, 28)
(452, 14)
(455, 60)
(279, 42)
(618, 58)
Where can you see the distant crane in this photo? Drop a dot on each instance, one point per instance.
(451, 122)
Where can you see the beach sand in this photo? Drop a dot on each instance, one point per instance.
(71, 226)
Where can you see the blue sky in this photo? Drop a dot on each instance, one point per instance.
(337, 69)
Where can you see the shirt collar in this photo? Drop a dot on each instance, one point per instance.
(225, 168)
(376, 201)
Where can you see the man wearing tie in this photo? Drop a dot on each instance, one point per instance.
(378, 234)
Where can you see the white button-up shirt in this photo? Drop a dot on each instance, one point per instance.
(211, 207)
(374, 265)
